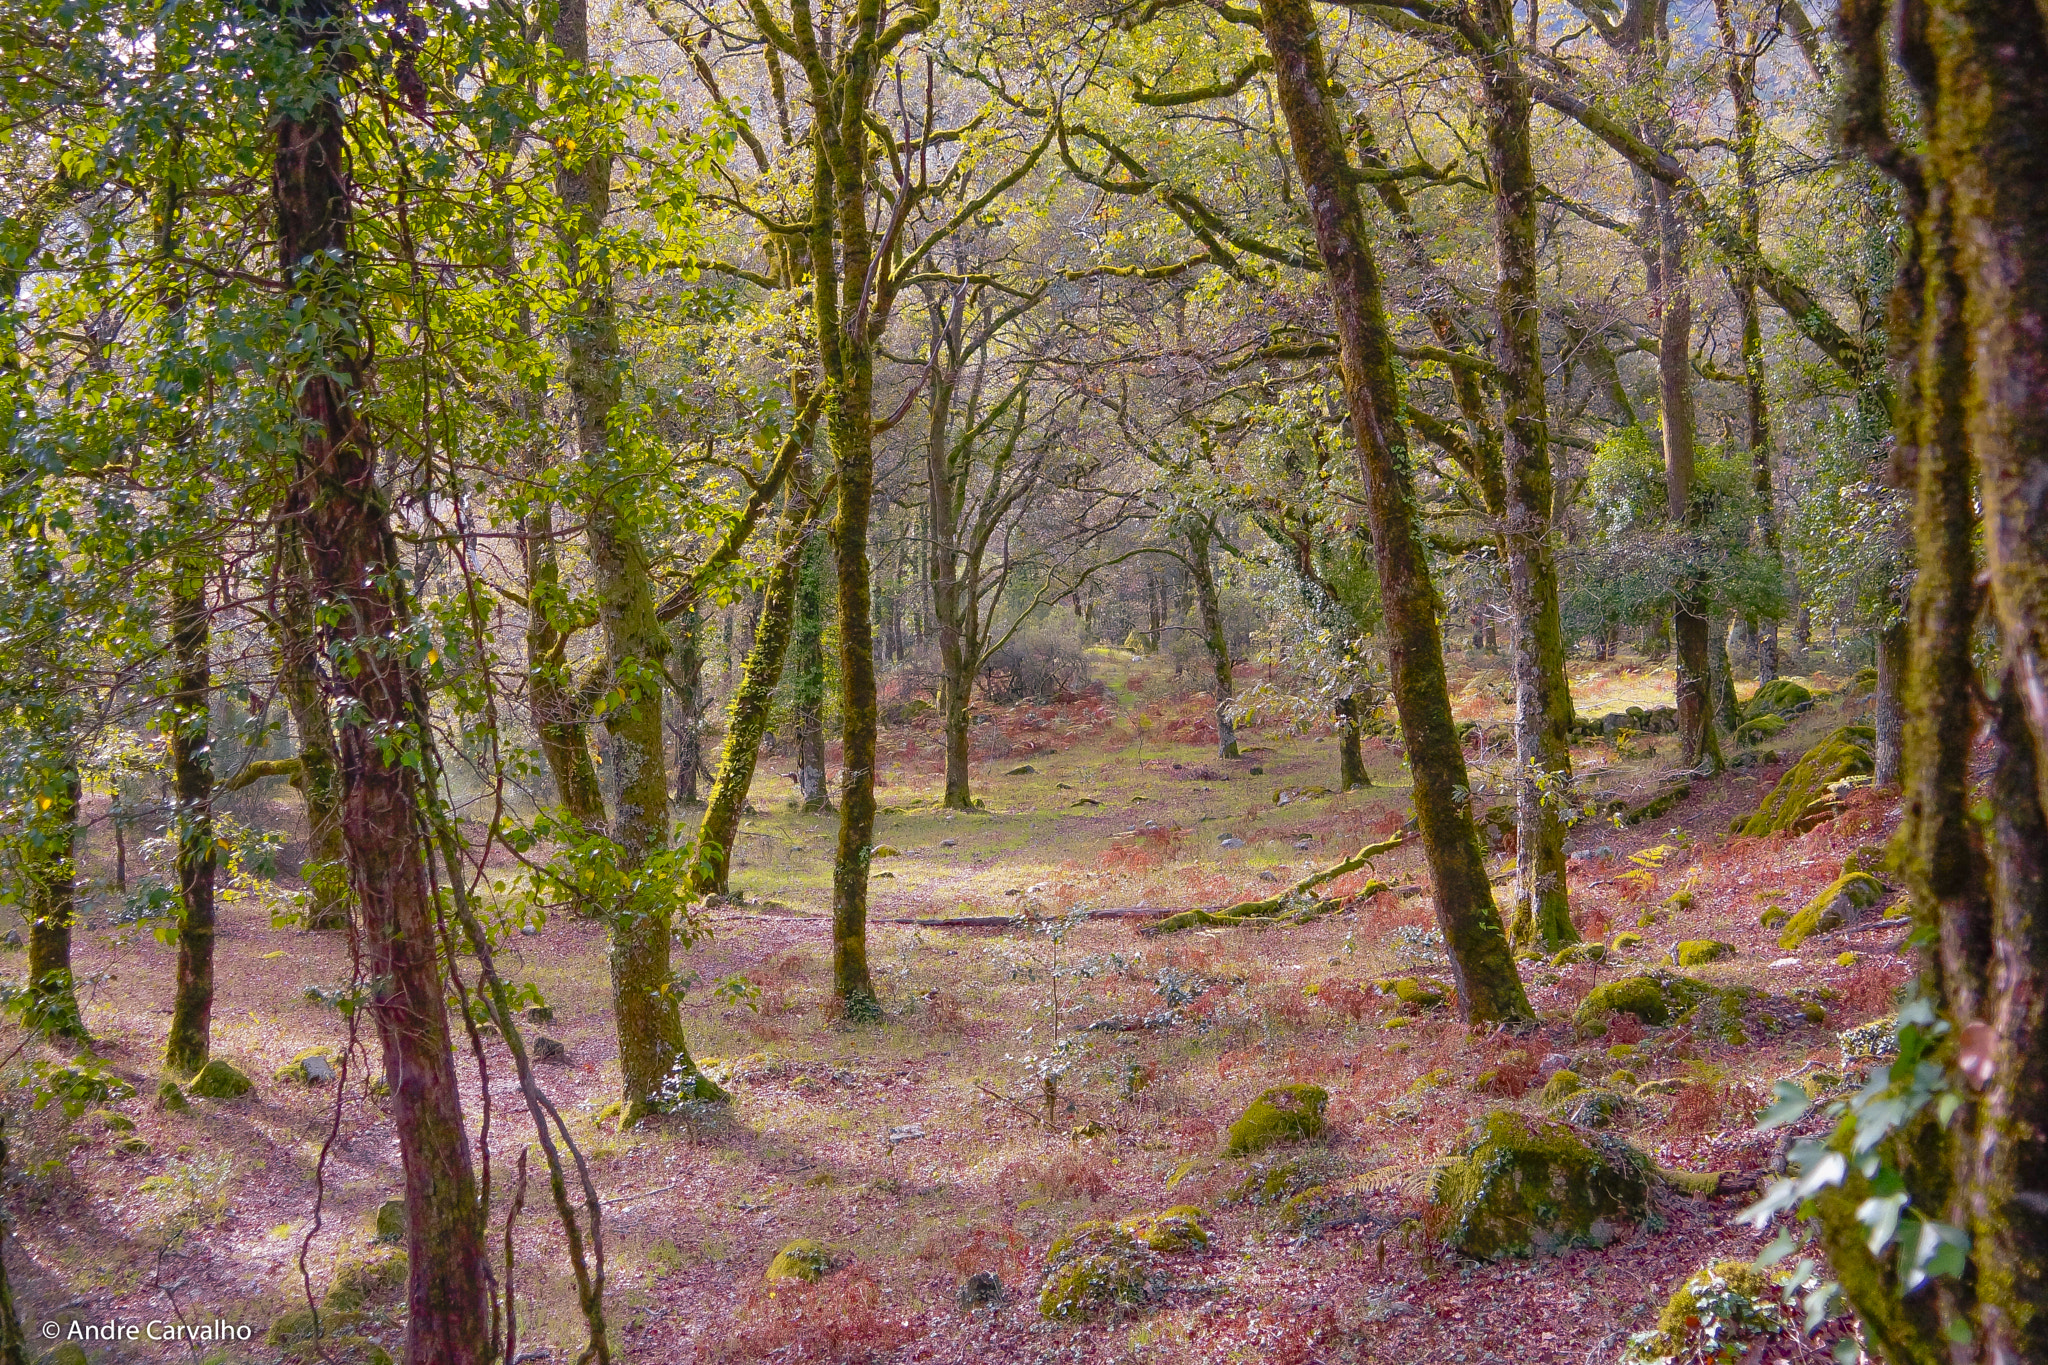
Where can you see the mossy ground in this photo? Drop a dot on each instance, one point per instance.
(818, 1142)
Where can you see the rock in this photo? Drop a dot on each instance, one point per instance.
(882, 851)
(356, 1282)
(1176, 1229)
(1773, 916)
(1724, 1312)
(1230, 841)
(1832, 908)
(1286, 1113)
(1091, 1269)
(1759, 728)
(1579, 952)
(1802, 796)
(1524, 1186)
(1320, 1208)
(1413, 993)
(217, 1080)
(546, 1049)
(70, 1353)
(1595, 1106)
(1269, 877)
(1694, 952)
(803, 1260)
(1561, 1084)
(1304, 843)
(1868, 1042)
(1021, 770)
(1626, 940)
(1257, 771)
(982, 1289)
(314, 1066)
(1777, 699)
(948, 843)
(391, 1221)
(529, 931)
(111, 1121)
(540, 1014)
(11, 940)
(170, 1099)
(131, 1146)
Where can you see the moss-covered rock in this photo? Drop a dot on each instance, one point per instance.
(802, 1260)
(1414, 993)
(314, 1066)
(391, 1221)
(298, 1328)
(1777, 698)
(1642, 995)
(1286, 1113)
(1720, 1313)
(111, 1120)
(1695, 952)
(1803, 791)
(1773, 916)
(218, 1080)
(1594, 1106)
(1868, 1042)
(1176, 1229)
(1626, 940)
(1832, 908)
(1561, 1084)
(171, 1099)
(357, 1282)
(1525, 1185)
(1322, 1207)
(1757, 729)
(1094, 1268)
(1579, 952)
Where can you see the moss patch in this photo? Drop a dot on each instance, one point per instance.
(1803, 791)
(1523, 1186)
(1286, 1113)
(1695, 952)
(1414, 994)
(1176, 1229)
(1715, 1315)
(1560, 1085)
(1777, 698)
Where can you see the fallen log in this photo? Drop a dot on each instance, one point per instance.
(1292, 906)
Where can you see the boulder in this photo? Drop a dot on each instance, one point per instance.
(217, 1080)
(1802, 797)
(801, 1261)
(1834, 907)
(391, 1221)
(1286, 1113)
(1522, 1186)
(1724, 1312)
(1176, 1229)
(314, 1066)
(1777, 698)
(1414, 994)
(1092, 1269)
(1695, 952)
(170, 1099)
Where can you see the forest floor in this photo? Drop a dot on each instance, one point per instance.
(917, 1149)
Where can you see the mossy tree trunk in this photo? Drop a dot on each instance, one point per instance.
(186, 722)
(807, 676)
(1488, 986)
(318, 780)
(1351, 771)
(753, 701)
(344, 517)
(1199, 535)
(1888, 704)
(1721, 676)
(644, 1003)
(551, 618)
(1543, 702)
(1968, 321)
(686, 678)
(50, 867)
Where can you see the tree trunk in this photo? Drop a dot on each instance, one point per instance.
(747, 717)
(354, 569)
(550, 688)
(325, 870)
(1351, 773)
(687, 676)
(1721, 672)
(186, 727)
(51, 871)
(652, 1051)
(1887, 710)
(1543, 701)
(807, 677)
(1488, 987)
(1211, 610)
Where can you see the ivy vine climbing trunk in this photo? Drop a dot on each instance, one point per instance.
(1488, 987)
(337, 503)
(654, 1060)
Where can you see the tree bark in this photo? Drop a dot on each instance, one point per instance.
(1481, 962)
(1721, 675)
(1351, 773)
(1543, 702)
(1218, 643)
(355, 572)
(318, 780)
(652, 1051)
(186, 728)
(807, 677)
(1888, 710)
(687, 678)
(51, 871)
(13, 1342)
